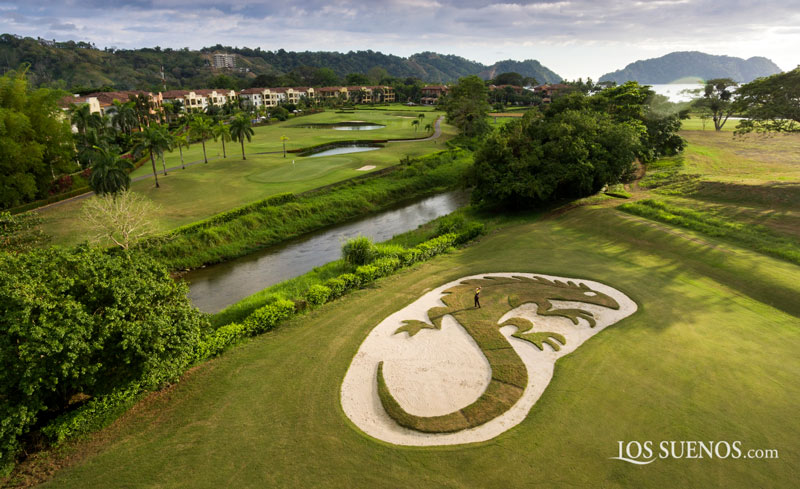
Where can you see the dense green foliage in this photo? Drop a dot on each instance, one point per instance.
(35, 141)
(466, 106)
(771, 104)
(80, 323)
(565, 154)
(674, 66)
(83, 68)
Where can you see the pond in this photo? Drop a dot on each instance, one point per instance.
(213, 288)
(346, 126)
(339, 150)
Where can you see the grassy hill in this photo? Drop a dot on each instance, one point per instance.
(674, 66)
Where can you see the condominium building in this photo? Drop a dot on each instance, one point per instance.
(224, 60)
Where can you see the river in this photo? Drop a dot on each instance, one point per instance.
(213, 288)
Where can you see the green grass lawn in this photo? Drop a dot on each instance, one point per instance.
(710, 355)
(752, 181)
(697, 124)
(203, 190)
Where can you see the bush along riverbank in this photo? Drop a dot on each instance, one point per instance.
(364, 265)
(279, 218)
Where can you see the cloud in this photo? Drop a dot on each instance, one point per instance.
(63, 27)
(620, 31)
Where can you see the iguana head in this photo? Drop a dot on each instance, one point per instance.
(530, 289)
(522, 290)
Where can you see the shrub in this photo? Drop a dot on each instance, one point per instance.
(450, 224)
(265, 318)
(387, 250)
(216, 342)
(367, 274)
(470, 232)
(80, 321)
(351, 281)
(386, 265)
(318, 294)
(358, 251)
(337, 287)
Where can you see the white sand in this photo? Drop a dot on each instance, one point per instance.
(439, 371)
(366, 168)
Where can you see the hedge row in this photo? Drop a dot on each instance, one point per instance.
(99, 411)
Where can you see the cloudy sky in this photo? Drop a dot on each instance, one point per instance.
(574, 38)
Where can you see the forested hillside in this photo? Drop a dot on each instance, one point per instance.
(686, 64)
(70, 65)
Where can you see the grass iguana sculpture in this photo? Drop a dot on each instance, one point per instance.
(509, 374)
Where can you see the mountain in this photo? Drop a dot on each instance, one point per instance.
(684, 64)
(73, 64)
(529, 67)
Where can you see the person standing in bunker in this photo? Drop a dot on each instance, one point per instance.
(478, 297)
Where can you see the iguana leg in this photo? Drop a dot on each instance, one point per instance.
(412, 326)
(537, 338)
(572, 314)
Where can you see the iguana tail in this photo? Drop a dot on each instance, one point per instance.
(504, 390)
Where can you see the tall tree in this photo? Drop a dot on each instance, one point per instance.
(771, 104)
(241, 130)
(110, 173)
(200, 128)
(168, 142)
(222, 131)
(150, 140)
(415, 123)
(718, 99)
(467, 106)
(284, 138)
(181, 141)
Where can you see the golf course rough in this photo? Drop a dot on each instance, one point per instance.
(443, 372)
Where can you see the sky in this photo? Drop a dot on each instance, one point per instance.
(573, 38)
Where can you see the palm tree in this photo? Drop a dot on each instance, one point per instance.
(150, 139)
(428, 127)
(167, 145)
(421, 116)
(200, 128)
(142, 106)
(284, 138)
(110, 172)
(221, 131)
(80, 117)
(124, 116)
(240, 129)
(415, 123)
(181, 141)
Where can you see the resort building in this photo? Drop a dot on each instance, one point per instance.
(431, 94)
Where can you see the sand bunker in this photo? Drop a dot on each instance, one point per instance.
(366, 168)
(438, 371)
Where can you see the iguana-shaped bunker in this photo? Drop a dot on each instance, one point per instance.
(509, 374)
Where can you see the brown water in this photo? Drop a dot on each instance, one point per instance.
(218, 286)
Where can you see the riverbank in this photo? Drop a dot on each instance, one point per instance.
(256, 226)
(217, 286)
